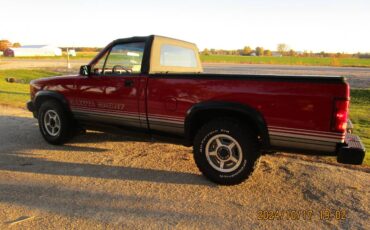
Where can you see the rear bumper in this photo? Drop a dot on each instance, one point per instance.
(352, 152)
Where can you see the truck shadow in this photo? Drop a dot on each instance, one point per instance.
(99, 206)
(20, 135)
(17, 163)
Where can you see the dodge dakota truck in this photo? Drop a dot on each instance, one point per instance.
(156, 85)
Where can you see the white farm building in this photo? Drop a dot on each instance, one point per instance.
(34, 50)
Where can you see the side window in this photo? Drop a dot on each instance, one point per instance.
(177, 56)
(124, 58)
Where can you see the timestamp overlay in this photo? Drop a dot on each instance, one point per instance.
(325, 214)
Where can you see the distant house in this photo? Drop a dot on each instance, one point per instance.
(34, 50)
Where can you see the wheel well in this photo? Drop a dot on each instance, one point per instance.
(202, 117)
(42, 98)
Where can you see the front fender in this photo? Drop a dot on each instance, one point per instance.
(43, 95)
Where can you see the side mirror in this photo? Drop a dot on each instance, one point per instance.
(85, 70)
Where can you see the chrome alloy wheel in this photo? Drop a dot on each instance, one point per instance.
(223, 153)
(52, 123)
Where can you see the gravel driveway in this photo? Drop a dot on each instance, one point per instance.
(108, 181)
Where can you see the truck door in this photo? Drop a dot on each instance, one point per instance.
(111, 93)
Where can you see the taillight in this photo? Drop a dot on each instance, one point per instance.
(340, 115)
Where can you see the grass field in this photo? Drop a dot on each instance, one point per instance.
(308, 61)
(311, 61)
(17, 94)
(360, 116)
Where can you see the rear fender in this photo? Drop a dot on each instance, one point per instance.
(238, 109)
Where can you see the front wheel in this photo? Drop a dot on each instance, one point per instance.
(226, 151)
(54, 123)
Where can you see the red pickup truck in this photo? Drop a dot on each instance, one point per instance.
(155, 85)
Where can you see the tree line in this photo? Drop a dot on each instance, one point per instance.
(282, 49)
(5, 44)
(84, 49)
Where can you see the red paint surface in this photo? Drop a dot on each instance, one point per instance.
(299, 105)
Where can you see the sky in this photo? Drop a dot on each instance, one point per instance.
(312, 25)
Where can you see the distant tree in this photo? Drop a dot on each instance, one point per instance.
(4, 44)
(87, 49)
(282, 48)
(16, 44)
(230, 52)
(345, 55)
(247, 50)
(259, 51)
(206, 51)
(364, 55)
(267, 53)
(236, 52)
(292, 53)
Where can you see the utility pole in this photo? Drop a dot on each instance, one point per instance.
(68, 64)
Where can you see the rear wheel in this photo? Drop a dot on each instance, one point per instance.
(225, 151)
(54, 122)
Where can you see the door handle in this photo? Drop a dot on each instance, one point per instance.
(129, 83)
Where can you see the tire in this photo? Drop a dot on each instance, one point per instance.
(54, 123)
(225, 151)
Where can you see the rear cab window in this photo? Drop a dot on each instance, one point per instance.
(172, 55)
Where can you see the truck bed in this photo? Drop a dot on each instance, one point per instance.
(297, 110)
(265, 77)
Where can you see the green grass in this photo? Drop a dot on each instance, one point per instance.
(26, 75)
(314, 61)
(14, 94)
(17, 94)
(311, 61)
(360, 116)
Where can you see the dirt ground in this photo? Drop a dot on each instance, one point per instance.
(111, 181)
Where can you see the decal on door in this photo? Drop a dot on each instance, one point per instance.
(86, 103)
